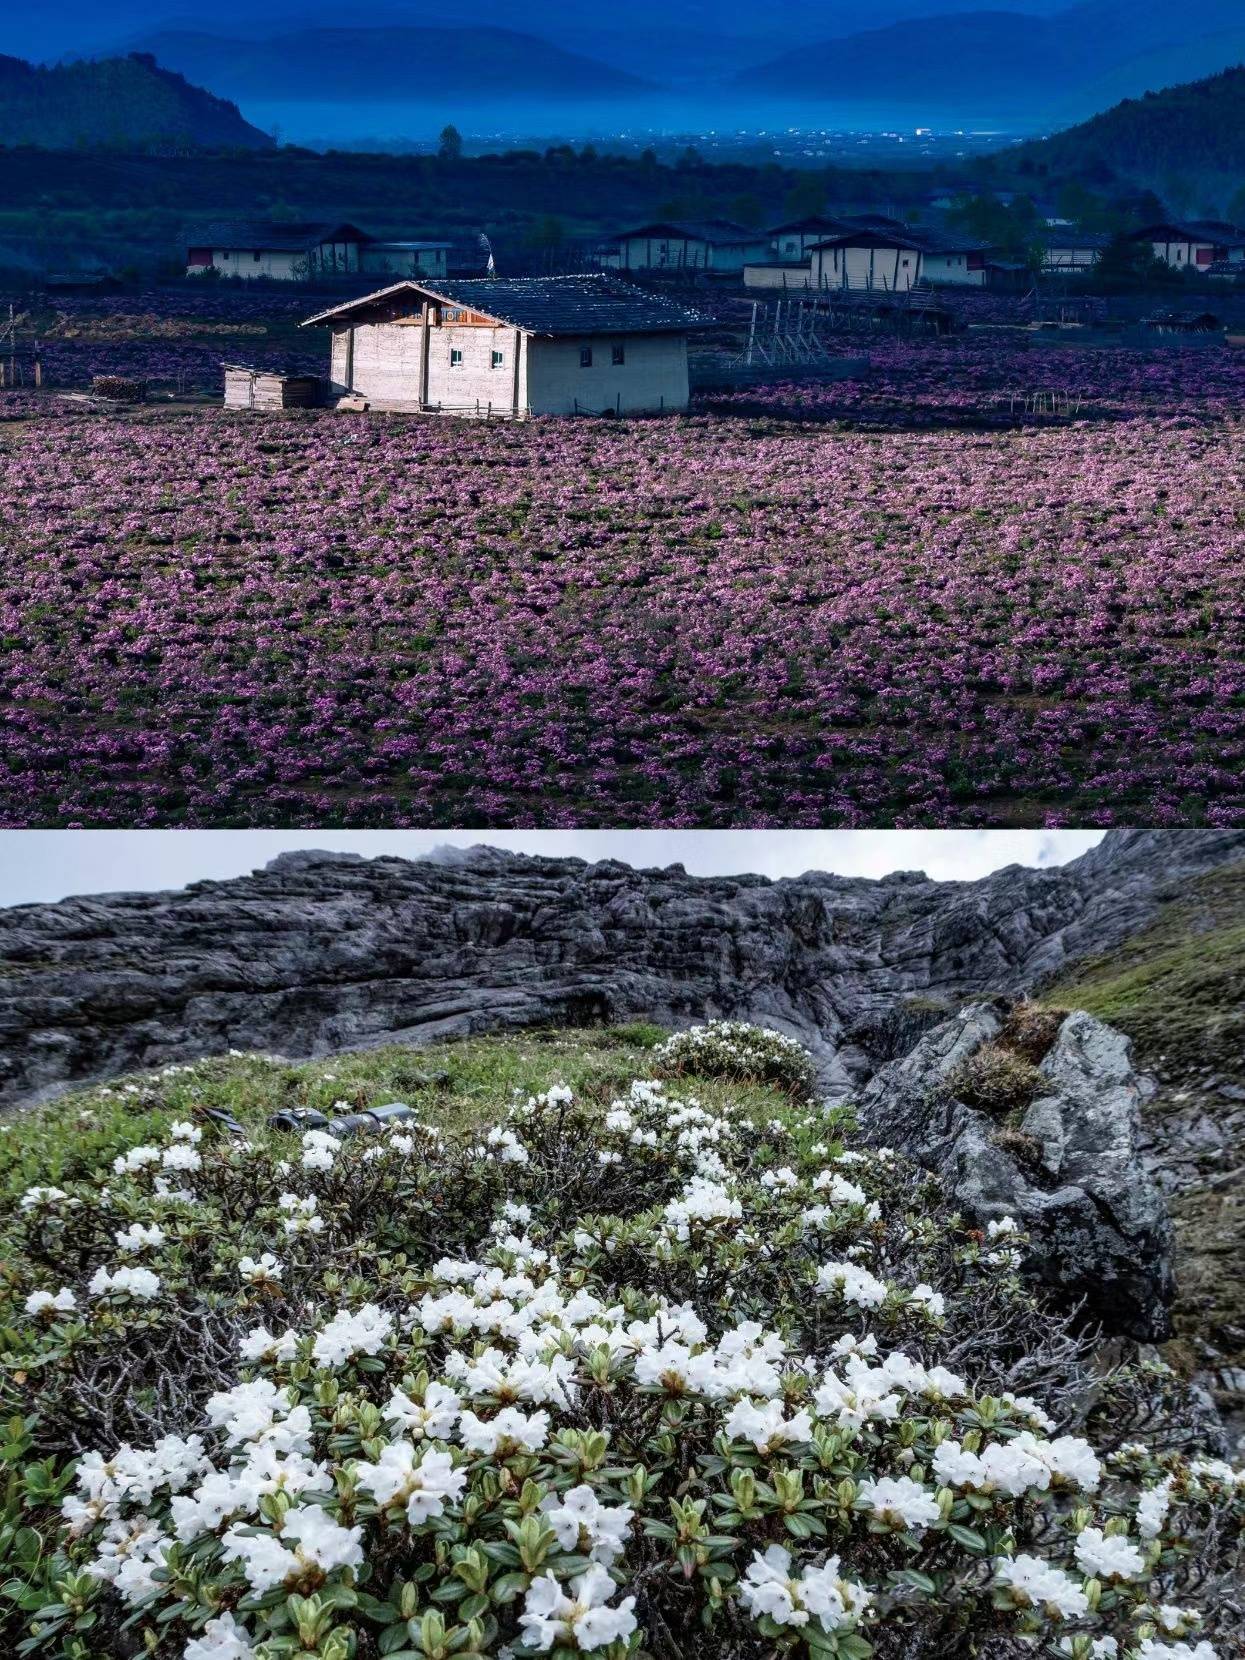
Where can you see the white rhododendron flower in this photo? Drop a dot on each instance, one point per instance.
(423, 1483)
(262, 1270)
(363, 1332)
(139, 1238)
(1041, 1585)
(1107, 1556)
(581, 1521)
(900, 1501)
(508, 1431)
(579, 1616)
(222, 1639)
(319, 1150)
(125, 1282)
(853, 1283)
(767, 1426)
(51, 1302)
(772, 1587)
(433, 1417)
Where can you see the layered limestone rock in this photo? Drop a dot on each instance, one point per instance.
(320, 952)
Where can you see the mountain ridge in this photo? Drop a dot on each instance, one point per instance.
(116, 101)
(345, 64)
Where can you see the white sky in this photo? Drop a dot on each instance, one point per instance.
(42, 865)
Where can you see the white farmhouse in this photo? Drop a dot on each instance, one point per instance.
(404, 259)
(1070, 249)
(790, 262)
(792, 240)
(686, 245)
(512, 347)
(1194, 243)
(894, 261)
(264, 248)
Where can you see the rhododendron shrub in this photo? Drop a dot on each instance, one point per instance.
(632, 1375)
(734, 1049)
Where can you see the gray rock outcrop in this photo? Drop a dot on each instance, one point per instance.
(320, 952)
(1068, 1166)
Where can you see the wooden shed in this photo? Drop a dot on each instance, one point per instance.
(247, 388)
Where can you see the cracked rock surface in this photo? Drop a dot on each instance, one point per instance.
(320, 952)
(1070, 1170)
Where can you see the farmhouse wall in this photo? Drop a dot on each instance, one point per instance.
(888, 269)
(476, 379)
(379, 360)
(777, 276)
(953, 268)
(652, 377)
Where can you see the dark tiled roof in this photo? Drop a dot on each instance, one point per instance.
(271, 235)
(1192, 230)
(906, 236)
(836, 225)
(1070, 237)
(720, 232)
(812, 222)
(595, 303)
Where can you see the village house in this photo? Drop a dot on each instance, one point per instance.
(791, 241)
(1194, 243)
(306, 252)
(263, 248)
(1071, 249)
(685, 245)
(512, 347)
(895, 261)
(789, 264)
(405, 259)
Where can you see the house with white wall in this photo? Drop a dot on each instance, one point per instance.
(512, 347)
(685, 245)
(789, 265)
(1067, 248)
(792, 240)
(425, 258)
(267, 248)
(894, 261)
(1193, 244)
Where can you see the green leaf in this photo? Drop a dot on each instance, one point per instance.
(966, 1536)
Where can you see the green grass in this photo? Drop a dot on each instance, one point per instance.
(1175, 987)
(454, 1085)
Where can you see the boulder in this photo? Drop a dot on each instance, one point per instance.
(1068, 1166)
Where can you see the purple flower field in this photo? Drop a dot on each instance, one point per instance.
(723, 619)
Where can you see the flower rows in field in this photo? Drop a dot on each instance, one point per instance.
(697, 621)
(660, 1376)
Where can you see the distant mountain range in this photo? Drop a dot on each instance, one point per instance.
(357, 64)
(1197, 129)
(115, 101)
(1023, 65)
(1071, 61)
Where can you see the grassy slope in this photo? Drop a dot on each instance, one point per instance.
(1176, 988)
(454, 1085)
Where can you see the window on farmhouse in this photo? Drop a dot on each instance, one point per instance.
(618, 356)
(456, 357)
(498, 359)
(585, 357)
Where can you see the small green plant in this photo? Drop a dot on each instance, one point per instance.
(996, 1080)
(1031, 1029)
